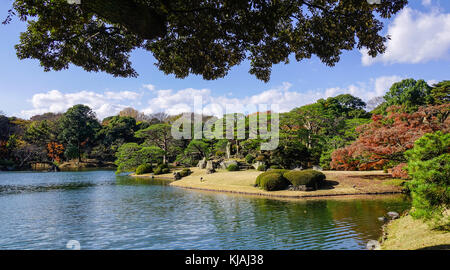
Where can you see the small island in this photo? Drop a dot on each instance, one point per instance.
(337, 183)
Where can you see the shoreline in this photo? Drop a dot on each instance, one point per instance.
(339, 184)
(290, 196)
(406, 233)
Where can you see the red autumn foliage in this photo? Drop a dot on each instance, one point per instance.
(55, 151)
(400, 171)
(386, 138)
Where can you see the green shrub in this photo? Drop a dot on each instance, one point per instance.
(249, 158)
(258, 179)
(157, 171)
(309, 178)
(220, 153)
(429, 168)
(233, 168)
(262, 168)
(276, 167)
(185, 172)
(273, 181)
(144, 168)
(260, 158)
(161, 169)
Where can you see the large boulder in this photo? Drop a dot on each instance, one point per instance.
(224, 164)
(257, 164)
(202, 163)
(210, 165)
(393, 215)
(210, 171)
(373, 245)
(317, 168)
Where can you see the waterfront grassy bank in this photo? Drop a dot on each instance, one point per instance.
(242, 182)
(407, 233)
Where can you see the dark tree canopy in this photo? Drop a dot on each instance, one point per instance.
(197, 37)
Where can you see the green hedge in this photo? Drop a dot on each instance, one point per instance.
(233, 168)
(249, 158)
(185, 172)
(276, 167)
(279, 179)
(144, 168)
(262, 168)
(273, 181)
(309, 178)
(161, 169)
(258, 179)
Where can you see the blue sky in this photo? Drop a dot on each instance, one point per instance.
(419, 48)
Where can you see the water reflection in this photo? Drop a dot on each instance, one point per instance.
(103, 211)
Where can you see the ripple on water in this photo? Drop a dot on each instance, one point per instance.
(102, 211)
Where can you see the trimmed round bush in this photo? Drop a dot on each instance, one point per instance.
(161, 169)
(249, 158)
(258, 179)
(262, 168)
(233, 168)
(185, 172)
(144, 168)
(309, 178)
(273, 181)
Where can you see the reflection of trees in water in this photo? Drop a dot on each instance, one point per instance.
(362, 215)
(226, 212)
(293, 224)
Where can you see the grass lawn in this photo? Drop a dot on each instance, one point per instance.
(408, 233)
(338, 183)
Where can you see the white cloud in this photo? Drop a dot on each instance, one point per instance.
(426, 2)
(432, 82)
(180, 101)
(176, 102)
(150, 87)
(104, 104)
(416, 37)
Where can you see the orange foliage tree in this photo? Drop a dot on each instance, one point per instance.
(55, 151)
(384, 141)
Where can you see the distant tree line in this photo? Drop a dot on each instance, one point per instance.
(337, 133)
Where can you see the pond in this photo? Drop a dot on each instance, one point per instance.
(103, 211)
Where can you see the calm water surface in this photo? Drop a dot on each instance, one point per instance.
(102, 211)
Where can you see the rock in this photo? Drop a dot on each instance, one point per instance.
(257, 164)
(393, 215)
(298, 168)
(317, 168)
(176, 175)
(224, 164)
(382, 219)
(210, 165)
(210, 171)
(373, 245)
(300, 188)
(202, 163)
